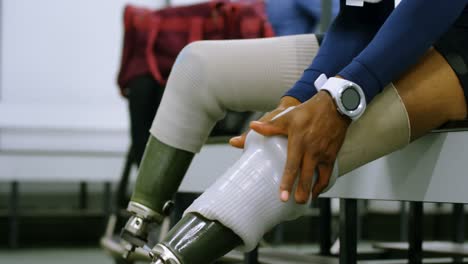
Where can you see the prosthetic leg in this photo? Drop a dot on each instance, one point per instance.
(195, 239)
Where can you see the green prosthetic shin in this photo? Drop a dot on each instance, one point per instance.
(195, 239)
(160, 175)
(161, 172)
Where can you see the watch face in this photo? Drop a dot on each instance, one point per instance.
(350, 98)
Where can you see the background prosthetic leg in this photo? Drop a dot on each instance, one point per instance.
(159, 177)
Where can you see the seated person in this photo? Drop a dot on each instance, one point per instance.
(397, 73)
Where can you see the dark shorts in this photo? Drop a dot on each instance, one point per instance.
(453, 45)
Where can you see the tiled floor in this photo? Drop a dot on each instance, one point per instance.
(97, 256)
(54, 256)
(75, 256)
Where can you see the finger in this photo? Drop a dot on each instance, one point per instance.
(268, 116)
(305, 181)
(325, 171)
(270, 128)
(291, 169)
(239, 141)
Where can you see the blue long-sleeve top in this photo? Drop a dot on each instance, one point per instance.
(374, 44)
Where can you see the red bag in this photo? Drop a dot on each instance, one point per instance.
(153, 39)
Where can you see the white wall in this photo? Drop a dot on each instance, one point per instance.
(62, 53)
(59, 60)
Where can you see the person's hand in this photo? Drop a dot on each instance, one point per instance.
(286, 101)
(315, 131)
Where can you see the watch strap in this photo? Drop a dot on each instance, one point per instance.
(334, 86)
(320, 81)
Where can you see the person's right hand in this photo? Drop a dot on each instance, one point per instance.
(286, 101)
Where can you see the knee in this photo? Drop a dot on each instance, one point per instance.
(190, 105)
(193, 76)
(191, 63)
(189, 71)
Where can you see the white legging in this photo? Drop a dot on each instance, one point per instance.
(239, 75)
(210, 77)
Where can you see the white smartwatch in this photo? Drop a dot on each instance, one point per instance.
(349, 97)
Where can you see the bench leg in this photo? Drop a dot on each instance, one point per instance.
(107, 202)
(458, 235)
(251, 257)
(14, 215)
(348, 231)
(415, 232)
(404, 221)
(438, 226)
(278, 235)
(83, 199)
(325, 226)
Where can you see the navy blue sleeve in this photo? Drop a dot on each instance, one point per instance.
(406, 35)
(349, 34)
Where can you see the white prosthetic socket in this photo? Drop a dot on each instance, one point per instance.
(246, 197)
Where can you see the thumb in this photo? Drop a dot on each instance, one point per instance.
(270, 128)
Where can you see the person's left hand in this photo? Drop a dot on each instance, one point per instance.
(315, 132)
